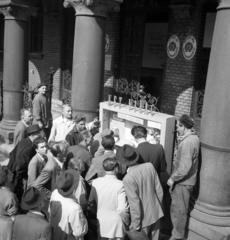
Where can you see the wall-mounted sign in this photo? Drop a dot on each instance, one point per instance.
(189, 47)
(173, 46)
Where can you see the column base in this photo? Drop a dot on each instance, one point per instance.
(207, 225)
(7, 130)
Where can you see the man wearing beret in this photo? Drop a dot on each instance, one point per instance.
(183, 177)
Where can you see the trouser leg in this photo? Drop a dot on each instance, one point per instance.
(179, 210)
(153, 231)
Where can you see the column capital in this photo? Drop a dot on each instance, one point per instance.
(19, 10)
(93, 7)
(223, 4)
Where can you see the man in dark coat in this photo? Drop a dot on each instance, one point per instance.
(153, 153)
(33, 225)
(20, 158)
(81, 151)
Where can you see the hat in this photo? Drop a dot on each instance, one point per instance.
(186, 121)
(31, 199)
(67, 182)
(3, 175)
(33, 129)
(106, 132)
(129, 155)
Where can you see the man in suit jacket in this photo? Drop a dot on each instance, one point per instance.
(144, 194)
(20, 158)
(96, 169)
(153, 153)
(112, 206)
(33, 225)
(20, 129)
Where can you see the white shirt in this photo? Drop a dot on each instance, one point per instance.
(72, 219)
(61, 127)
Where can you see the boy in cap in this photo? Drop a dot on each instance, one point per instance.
(183, 177)
(66, 215)
(33, 225)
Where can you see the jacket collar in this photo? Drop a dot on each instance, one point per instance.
(189, 133)
(36, 214)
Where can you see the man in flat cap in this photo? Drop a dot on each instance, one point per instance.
(41, 109)
(184, 175)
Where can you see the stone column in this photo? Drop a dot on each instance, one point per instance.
(14, 64)
(88, 54)
(210, 218)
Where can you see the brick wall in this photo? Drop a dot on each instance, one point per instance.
(177, 95)
(40, 64)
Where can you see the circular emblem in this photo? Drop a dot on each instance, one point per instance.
(189, 47)
(173, 46)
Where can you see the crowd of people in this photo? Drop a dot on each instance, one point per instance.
(67, 180)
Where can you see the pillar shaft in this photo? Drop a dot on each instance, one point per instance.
(14, 73)
(14, 63)
(211, 215)
(88, 64)
(88, 55)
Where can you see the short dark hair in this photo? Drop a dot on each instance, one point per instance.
(108, 142)
(186, 121)
(139, 132)
(57, 148)
(85, 134)
(39, 140)
(109, 164)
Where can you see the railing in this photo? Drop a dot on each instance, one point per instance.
(199, 98)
